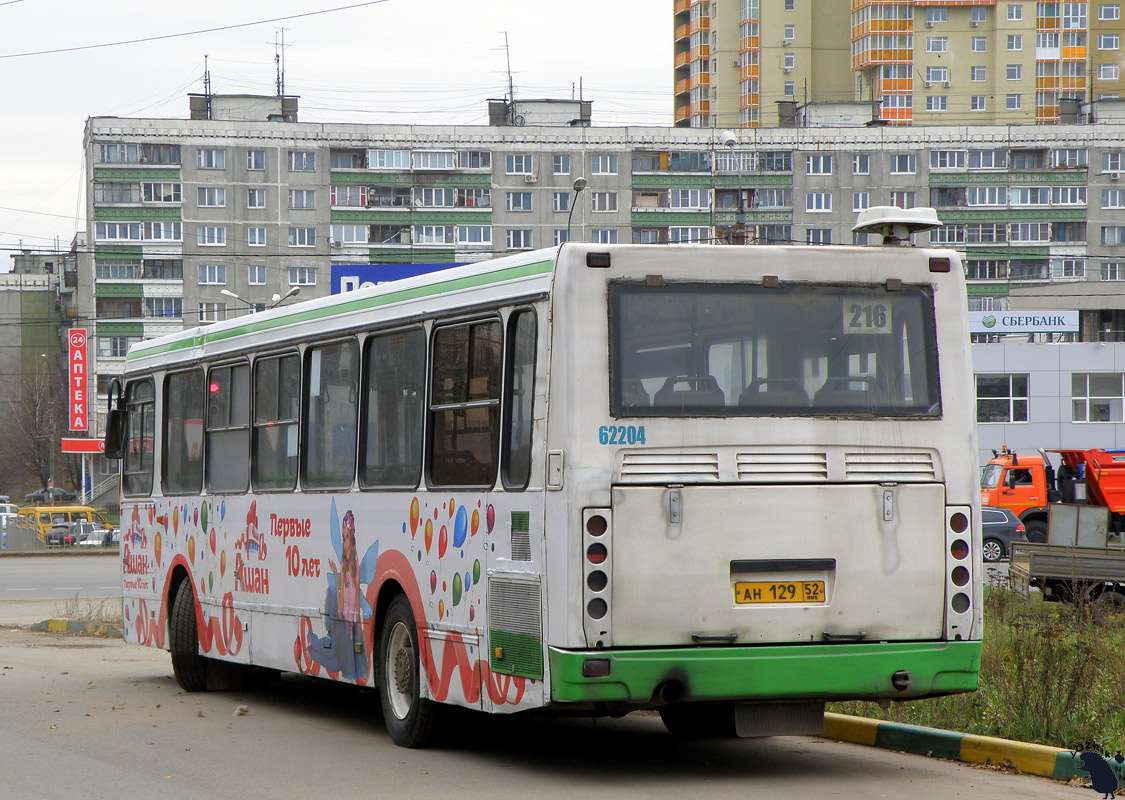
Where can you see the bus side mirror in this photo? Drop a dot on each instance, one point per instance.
(115, 422)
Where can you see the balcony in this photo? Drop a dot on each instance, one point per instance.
(682, 113)
(683, 59)
(682, 6)
(684, 86)
(683, 32)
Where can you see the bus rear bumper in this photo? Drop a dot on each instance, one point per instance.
(827, 672)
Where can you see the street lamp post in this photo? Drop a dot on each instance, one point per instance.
(730, 139)
(579, 185)
(51, 435)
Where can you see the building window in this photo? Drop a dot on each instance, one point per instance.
(256, 236)
(1013, 102)
(255, 198)
(790, 32)
(904, 163)
(435, 159)
(212, 312)
(603, 236)
(388, 159)
(304, 199)
(688, 235)
(158, 193)
(212, 274)
(349, 234)
(256, 275)
(937, 74)
(978, 73)
(1113, 235)
(861, 164)
(935, 15)
(561, 164)
(302, 237)
(979, 16)
(209, 158)
(1109, 41)
(519, 239)
(788, 61)
(474, 159)
(433, 234)
(1109, 11)
(690, 198)
(211, 236)
(977, 103)
(115, 346)
(860, 201)
(212, 197)
(255, 159)
(604, 201)
(164, 307)
(1002, 397)
(302, 276)
(818, 236)
(1069, 158)
(163, 231)
(818, 202)
(561, 236)
(519, 201)
(1015, 72)
(902, 199)
(474, 234)
(789, 89)
(302, 161)
(518, 164)
(947, 159)
(603, 164)
(937, 103)
(560, 201)
(1113, 271)
(1109, 72)
(937, 44)
(1074, 16)
(978, 44)
(818, 164)
(1015, 12)
(1096, 396)
(1015, 41)
(1113, 162)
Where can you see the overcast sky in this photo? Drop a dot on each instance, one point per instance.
(395, 61)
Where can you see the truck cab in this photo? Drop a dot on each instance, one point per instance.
(1023, 484)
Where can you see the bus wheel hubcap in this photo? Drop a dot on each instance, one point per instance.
(400, 669)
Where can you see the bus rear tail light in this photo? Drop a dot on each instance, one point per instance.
(597, 572)
(960, 570)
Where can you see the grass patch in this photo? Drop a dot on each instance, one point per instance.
(102, 612)
(1051, 673)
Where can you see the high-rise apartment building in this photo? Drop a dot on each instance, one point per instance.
(921, 62)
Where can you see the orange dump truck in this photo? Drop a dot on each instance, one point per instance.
(1027, 483)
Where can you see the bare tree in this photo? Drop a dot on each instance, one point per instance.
(34, 425)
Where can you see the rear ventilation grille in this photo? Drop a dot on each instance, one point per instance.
(514, 627)
(889, 466)
(521, 536)
(792, 467)
(670, 467)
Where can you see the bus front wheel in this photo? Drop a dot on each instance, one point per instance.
(189, 667)
(412, 720)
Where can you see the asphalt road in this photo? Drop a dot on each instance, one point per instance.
(33, 588)
(96, 718)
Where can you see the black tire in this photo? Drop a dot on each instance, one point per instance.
(993, 550)
(189, 667)
(699, 720)
(412, 720)
(1036, 531)
(1111, 598)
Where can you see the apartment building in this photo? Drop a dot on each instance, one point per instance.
(921, 62)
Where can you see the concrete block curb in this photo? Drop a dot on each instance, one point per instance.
(1030, 759)
(59, 625)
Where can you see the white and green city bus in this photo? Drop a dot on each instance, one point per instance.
(728, 483)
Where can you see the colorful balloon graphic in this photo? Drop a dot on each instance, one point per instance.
(460, 527)
(490, 518)
(457, 588)
(442, 542)
(190, 548)
(414, 511)
(476, 571)
(223, 564)
(433, 581)
(429, 534)
(176, 519)
(468, 582)
(223, 511)
(212, 541)
(156, 546)
(195, 516)
(203, 516)
(440, 609)
(210, 580)
(472, 613)
(475, 523)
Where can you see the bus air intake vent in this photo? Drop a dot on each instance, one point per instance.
(890, 466)
(521, 536)
(783, 467)
(514, 630)
(650, 467)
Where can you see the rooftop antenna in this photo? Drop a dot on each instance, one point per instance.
(207, 84)
(511, 83)
(279, 61)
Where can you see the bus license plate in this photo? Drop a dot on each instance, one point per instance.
(779, 592)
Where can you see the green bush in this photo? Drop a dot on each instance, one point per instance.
(1051, 673)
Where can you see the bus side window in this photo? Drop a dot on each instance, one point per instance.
(394, 392)
(331, 412)
(140, 429)
(277, 401)
(227, 447)
(465, 404)
(519, 398)
(182, 468)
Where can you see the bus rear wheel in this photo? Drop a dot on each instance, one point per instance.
(699, 720)
(412, 720)
(189, 667)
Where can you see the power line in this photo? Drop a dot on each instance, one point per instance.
(188, 33)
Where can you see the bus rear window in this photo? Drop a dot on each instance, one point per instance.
(695, 349)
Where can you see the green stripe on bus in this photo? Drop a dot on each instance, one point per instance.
(442, 287)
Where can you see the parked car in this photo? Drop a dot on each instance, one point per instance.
(93, 534)
(60, 535)
(999, 528)
(46, 495)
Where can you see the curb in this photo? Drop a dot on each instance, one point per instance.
(1029, 759)
(58, 625)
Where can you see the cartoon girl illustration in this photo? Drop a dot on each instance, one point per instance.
(343, 648)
